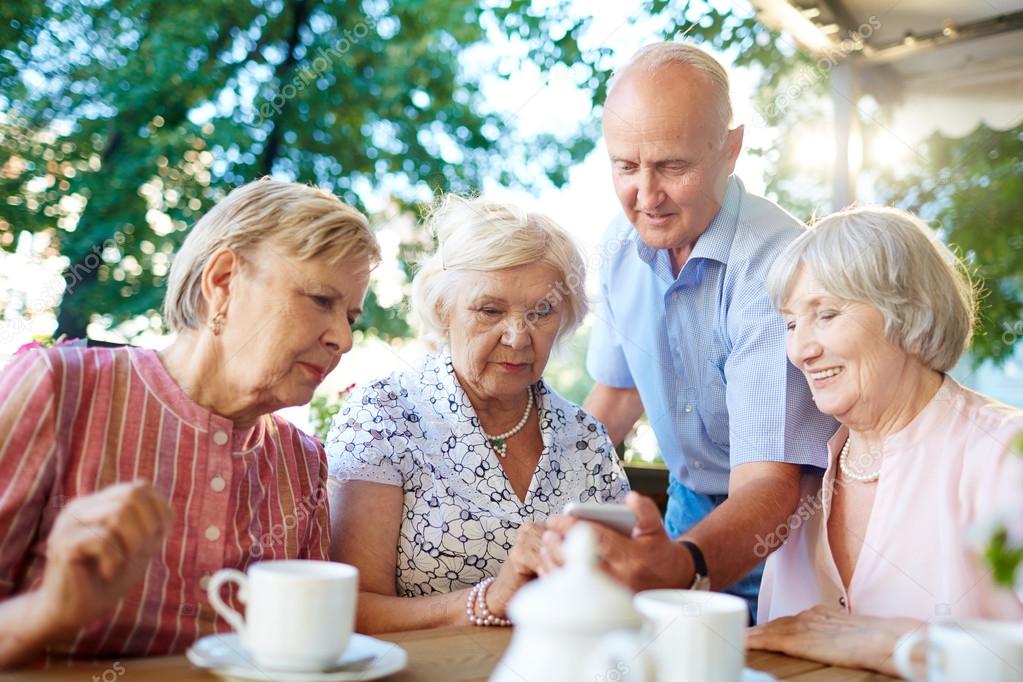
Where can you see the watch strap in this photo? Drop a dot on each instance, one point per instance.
(701, 580)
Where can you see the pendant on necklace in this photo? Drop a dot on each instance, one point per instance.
(500, 447)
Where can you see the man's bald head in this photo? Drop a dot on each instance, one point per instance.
(663, 65)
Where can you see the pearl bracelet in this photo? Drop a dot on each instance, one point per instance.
(477, 600)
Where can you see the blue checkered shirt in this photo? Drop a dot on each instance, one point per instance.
(706, 349)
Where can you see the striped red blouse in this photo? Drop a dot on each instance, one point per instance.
(76, 420)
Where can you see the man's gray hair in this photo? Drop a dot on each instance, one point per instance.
(656, 56)
(893, 261)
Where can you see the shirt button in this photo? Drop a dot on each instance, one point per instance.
(218, 484)
(697, 465)
(689, 407)
(220, 438)
(212, 533)
(841, 601)
(204, 582)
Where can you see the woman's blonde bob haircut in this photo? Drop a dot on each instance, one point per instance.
(890, 259)
(481, 235)
(304, 221)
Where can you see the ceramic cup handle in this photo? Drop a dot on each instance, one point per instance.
(229, 575)
(904, 650)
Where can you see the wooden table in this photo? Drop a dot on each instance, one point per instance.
(462, 654)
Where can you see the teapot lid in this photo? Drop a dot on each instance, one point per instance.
(578, 595)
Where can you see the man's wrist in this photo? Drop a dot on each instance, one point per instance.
(684, 567)
(701, 576)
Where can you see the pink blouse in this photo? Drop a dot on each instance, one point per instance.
(953, 468)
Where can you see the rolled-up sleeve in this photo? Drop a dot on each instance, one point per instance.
(28, 459)
(771, 414)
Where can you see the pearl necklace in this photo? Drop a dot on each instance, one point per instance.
(500, 442)
(843, 464)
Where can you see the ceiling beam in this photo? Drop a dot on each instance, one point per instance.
(952, 33)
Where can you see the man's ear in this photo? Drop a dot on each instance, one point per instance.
(733, 141)
(217, 278)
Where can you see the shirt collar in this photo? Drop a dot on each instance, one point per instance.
(716, 241)
(160, 383)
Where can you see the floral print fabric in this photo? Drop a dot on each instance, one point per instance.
(417, 429)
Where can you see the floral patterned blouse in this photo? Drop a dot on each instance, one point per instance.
(417, 429)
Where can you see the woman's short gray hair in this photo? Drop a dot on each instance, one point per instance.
(305, 221)
(652, 58)
(479, 234)
(892, 260)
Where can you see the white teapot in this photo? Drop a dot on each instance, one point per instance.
(575, 625)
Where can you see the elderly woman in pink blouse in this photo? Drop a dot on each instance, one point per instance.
(878, 310)
(130, 476)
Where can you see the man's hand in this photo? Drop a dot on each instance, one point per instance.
(834, 637)
(647, 560)
(99, 547)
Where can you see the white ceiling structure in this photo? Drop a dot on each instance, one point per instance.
(942, 65)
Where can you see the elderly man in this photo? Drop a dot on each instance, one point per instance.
(686, 332)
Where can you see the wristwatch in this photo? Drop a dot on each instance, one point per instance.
(701, 581)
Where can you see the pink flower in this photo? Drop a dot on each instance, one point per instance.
(24, 348)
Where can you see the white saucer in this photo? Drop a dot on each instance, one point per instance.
(225, 656)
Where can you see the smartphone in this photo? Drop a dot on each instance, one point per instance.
(615, 516)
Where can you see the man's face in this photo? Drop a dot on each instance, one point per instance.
(670, 152)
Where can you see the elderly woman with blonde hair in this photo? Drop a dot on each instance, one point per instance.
(130, 476)
(878, 311)
(443, 474)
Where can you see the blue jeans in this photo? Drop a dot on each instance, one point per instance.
(685, 509)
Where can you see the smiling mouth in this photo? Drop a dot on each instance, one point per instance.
(316, 371)
(656, 217)
(825, 373)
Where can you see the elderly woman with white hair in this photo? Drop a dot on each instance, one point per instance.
(878, 311)
(443, 474)
(131, 476)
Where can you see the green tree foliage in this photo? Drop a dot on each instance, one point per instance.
(122, 121)
(144, 113)
(972, 190)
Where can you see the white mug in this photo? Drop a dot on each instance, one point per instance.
(964, 651)
(299, 615)
(695, 636)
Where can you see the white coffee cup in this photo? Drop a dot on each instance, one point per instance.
(964, 651)
(299, 615)
(695, 636)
